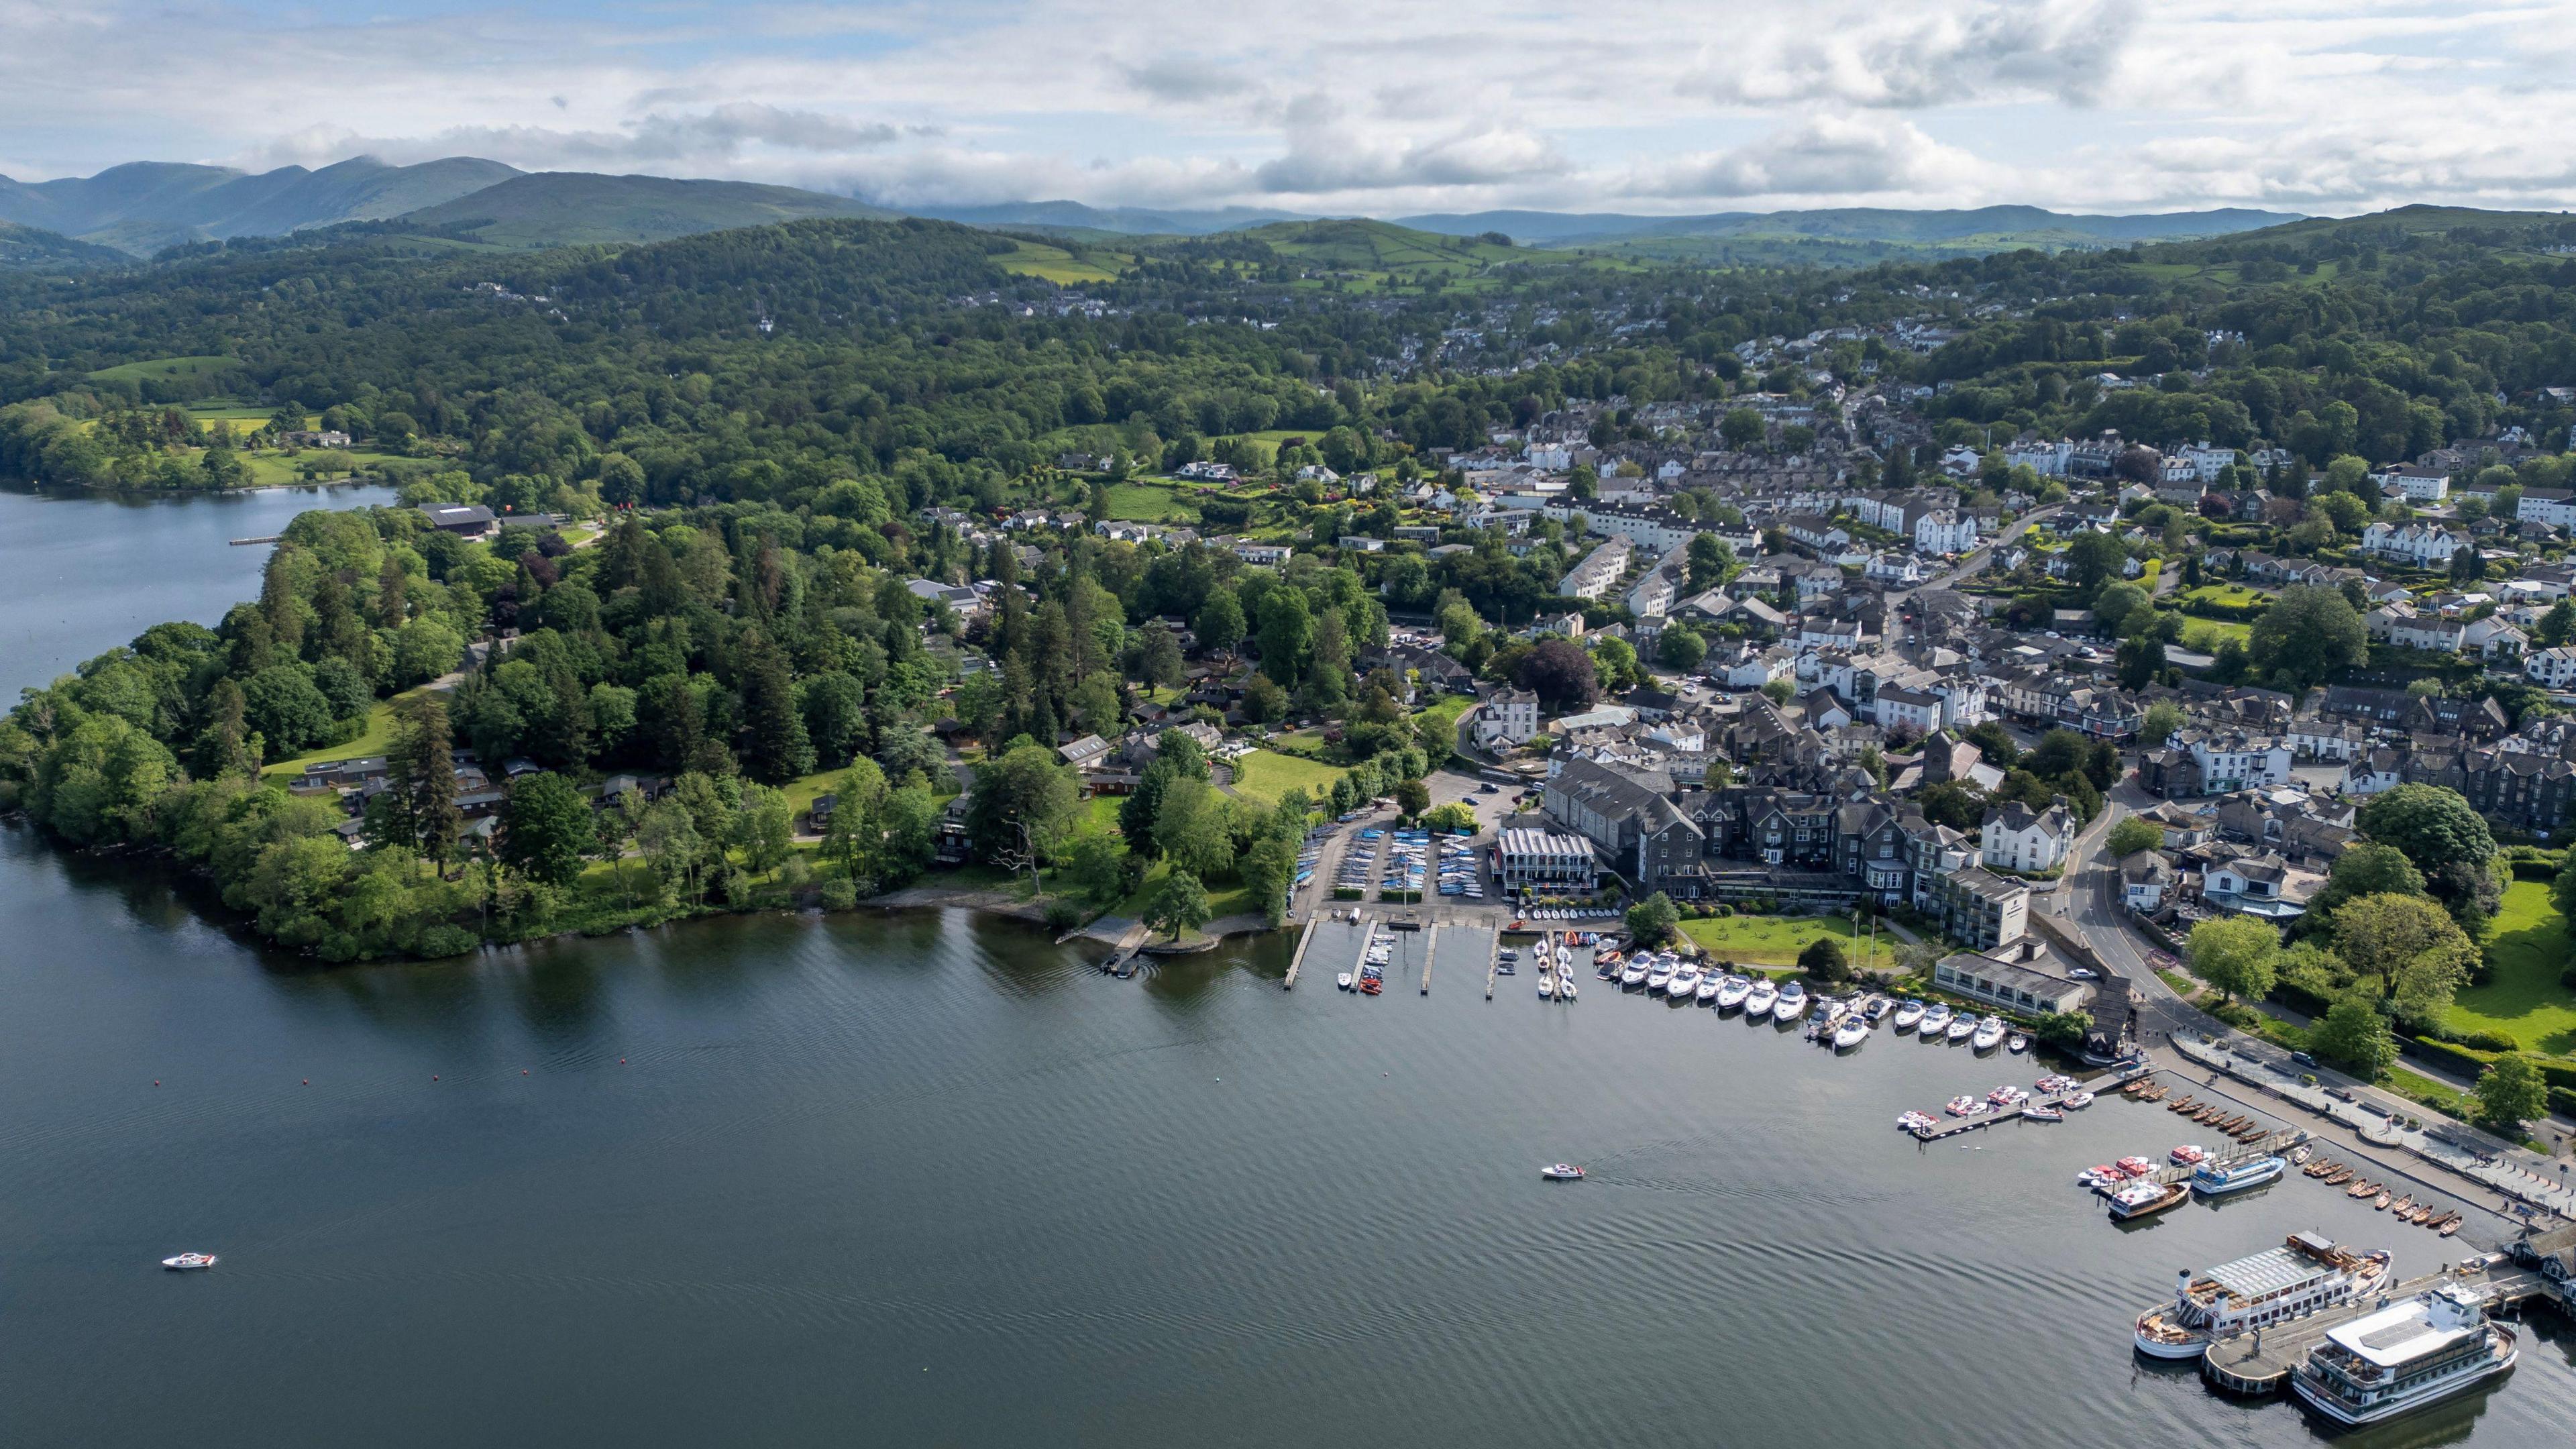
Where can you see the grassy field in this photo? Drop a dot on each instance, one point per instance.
(378, 738)
(2525, 1001)
(1449, 707)
(1060, 266)
(1265, 775)
(1777, 940)
(2227, 596)
(2205, 635)
(1150, 503)
(268, 469)
(1223, 899)
(165, 368)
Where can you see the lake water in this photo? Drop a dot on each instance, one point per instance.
(925, 1178)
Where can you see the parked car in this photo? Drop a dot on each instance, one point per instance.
(2303, 1059)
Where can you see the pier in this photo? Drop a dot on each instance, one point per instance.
(1957, 1125)
(1430, 946)
(1305, 939)
(2238, 1366)
(1493, 961)
(264, 538)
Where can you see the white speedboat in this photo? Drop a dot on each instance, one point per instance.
(189, 1262)
(1685, 983)
(1761, 1000)
(1909, 1015)
(1546, 986)
(1732, 991)
(1710, 983)
(1793, 1003)
(1639, 967)
(1343, 981)
(1961, 1028)
(1661, 976)
(2017, 1043)
(1562, 1172)
(1988, 1035)
(1850, 1032)
(2077, 1101)
(1935, 1018)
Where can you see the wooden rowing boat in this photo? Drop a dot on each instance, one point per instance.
(2403, 1206)
(2318, 1168)
(2363, 1188)
(2339, 1177)
(2179, 1105)
(2450, 1225)
(2253, 1130)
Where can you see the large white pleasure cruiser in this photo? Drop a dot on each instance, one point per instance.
(1793, 1003)
(2404, 1357)
(2306, 1273)
(1761, 1001)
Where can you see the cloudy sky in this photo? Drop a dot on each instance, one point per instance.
(1328, 106)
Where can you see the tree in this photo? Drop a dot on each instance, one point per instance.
(2132, 834)
(1954, 803)
(1264, 702)
(1561, 674)
(2118, 600)
(2510, 1093)
(422, 764)
(2562, 891)
(282, 705)
(2140, 661)
(1021, 808)
(2408, 948)
(1651, 921)
(1159, 659)
(2447, 841)
(546, 832)
(1191, 828)
(1680, 647)
(780, 749)
(1741, 428)
(1179, 903)
(1710, 561)
(2094, 558)
(2307, 634)
(2357, 1036)
(2364, 869)
(764, 829)
(1823, 960)
(2162, 718)
(1220, 621)
(1412, 797)
(2237, 954)
(1287, 633)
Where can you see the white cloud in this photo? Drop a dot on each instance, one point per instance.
(1346, 105)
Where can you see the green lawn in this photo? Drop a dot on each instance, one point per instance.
(1448, 708)
(166, 367)
(1265, 775)
(1057, 265)
(2205, 635)
(271, 467)
(378, 738)
(1150, 503)
(2524, 1000)
(1777, 940)
(1228, 899)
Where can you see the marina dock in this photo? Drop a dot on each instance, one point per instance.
(1430, 947)
(1305, 939)
(1958, 1125)
(2239, 1366)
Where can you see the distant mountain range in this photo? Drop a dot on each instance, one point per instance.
(140, 208)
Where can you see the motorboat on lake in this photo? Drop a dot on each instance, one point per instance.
(1988, 1035)
(1793, 1003)
(1685, 982)
(1662, 975)
(1761, 1001)
(1961, 1028)
(1343, 981)
(1710, 983)
(189, 1262)
(1731, 992)
(1635, 973)
(2017, 1043)
(1561, 1172)
(1909, 1015)
(2214, 1180)
(1850, 1031)
(1935, 1019)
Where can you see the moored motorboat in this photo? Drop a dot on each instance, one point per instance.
(1988, 1035)
(1546, 985)
(1732, 991)
(2143, 1198)
(1761, 1001)
(2017, 1043)
(1685, 983)
(1909, 1015)
(1661, 976)
(1637, 970)
(1343, 981)
(2405, 1356)
(2037, 1113)
(1850, 1032)
(1793, 1003)
(2077, 1101)
(1710, 983)
(1960, 1029)
(2214, 1180)
(1935, 1020)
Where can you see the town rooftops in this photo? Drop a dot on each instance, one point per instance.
(457, 517)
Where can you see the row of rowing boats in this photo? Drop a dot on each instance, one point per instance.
(2404, 1209)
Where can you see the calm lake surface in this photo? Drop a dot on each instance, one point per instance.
(925, 1178)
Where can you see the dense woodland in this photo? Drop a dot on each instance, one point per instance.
(766, 419)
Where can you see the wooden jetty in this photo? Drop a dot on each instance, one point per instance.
(2238, 1366)
(264, 538)
(1305, 939)
(1430, 946)
(1493, 959)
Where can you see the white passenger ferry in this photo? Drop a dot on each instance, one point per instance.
(2306, 1273)
(2404, 1357)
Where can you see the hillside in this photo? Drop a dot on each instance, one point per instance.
(1380, 252)
(2382, 228)
(1074, 217)
(33, 249)
(565, 208)
(147, 205)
